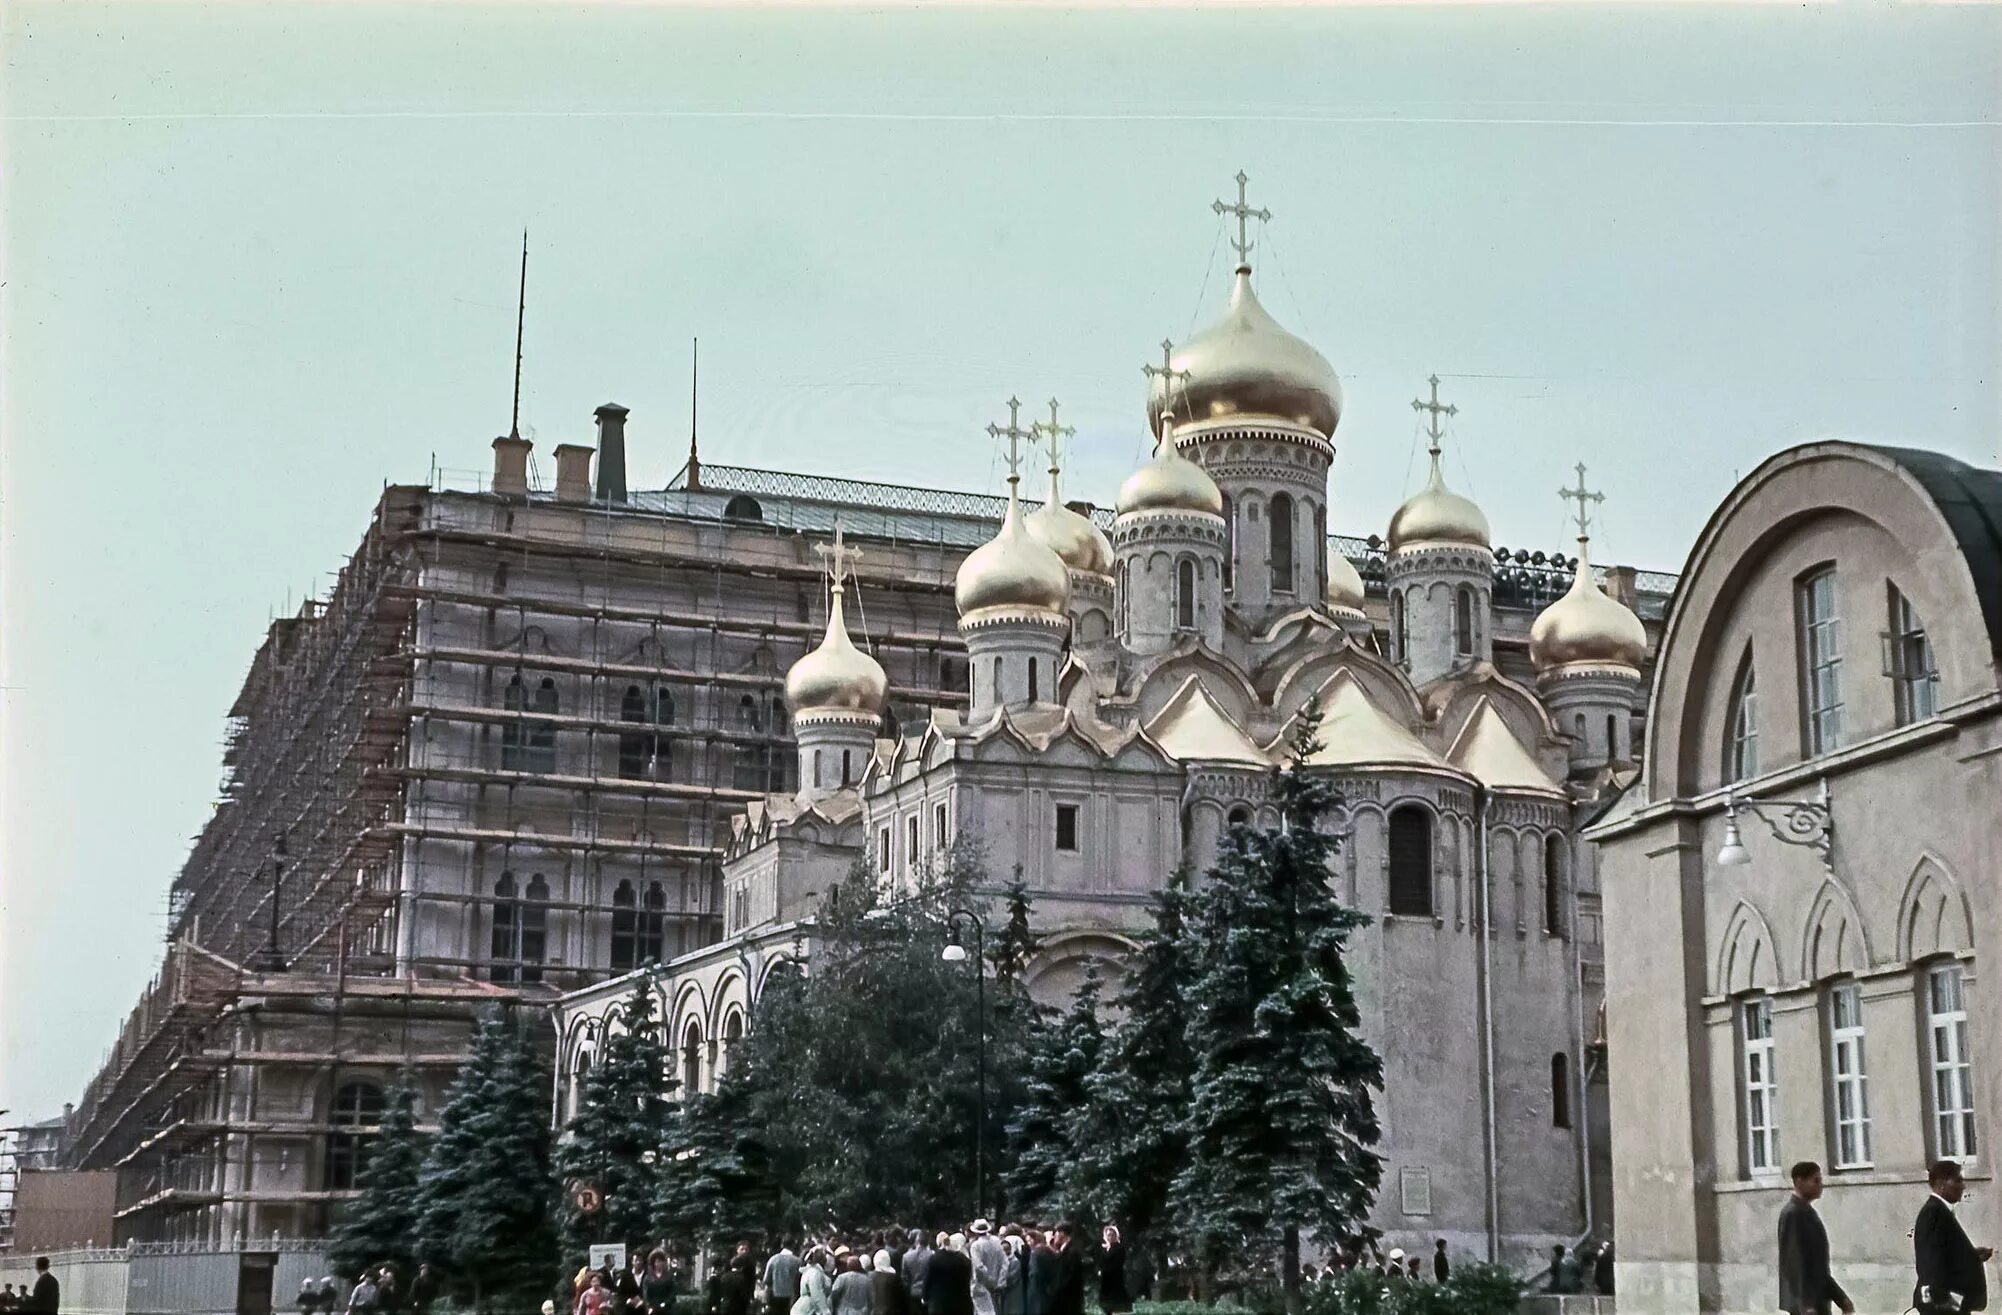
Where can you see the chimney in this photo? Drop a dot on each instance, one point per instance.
(1622, 585)
(511, 466)
(573, 472)
(611, 452)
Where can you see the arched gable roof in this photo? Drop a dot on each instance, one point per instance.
(1747, 959)
(1192, 728)
(1834, 940)
(1933, 916)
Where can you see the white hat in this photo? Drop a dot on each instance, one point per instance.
(1397, 1253)
(982, 1226)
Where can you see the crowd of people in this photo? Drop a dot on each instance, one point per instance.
(44, 1298)
(377, 1290)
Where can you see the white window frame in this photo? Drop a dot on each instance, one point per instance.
(938, 817)
(911, 832)
(1909, 662)
(1761, 1086)
(1848, 1078)
(1741, 747)
(1950, 1066)
(1820, 661)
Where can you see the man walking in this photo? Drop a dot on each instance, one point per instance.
(1067, 1291)
(1951, 1277)
(781, 1279)
(1442, 1268)
(990, 1266)
(1806, 1286)
(47, 1296)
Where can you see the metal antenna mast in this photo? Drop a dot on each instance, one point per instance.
(520, 317)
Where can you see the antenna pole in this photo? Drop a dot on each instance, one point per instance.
(520, 316)
(694, 479)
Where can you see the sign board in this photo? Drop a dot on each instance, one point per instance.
(608, 1255)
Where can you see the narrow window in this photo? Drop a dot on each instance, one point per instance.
(625, 929)
(534, 929)
(1320, 554)
(1229, 541)
(883, 849)
(911, 853)
(653, 925)
(1397, 629)
(1410, 861)
(1848, 1076)
(816, 769)
(1741, 737)
(1553, 886)
(505, 947)
(997, 682)
(634, 746)
(938, 825)
(847, 766)
(1463, 622)
(543, 738)
(357, 1105)
(749, 771)
(1613, 753)
(1762, 1108)
(1067, 828)
(514, 732)
(663, 746)
(1952, 1069)
(1035, 692)
(1914, 675)
(691, 1059)
(1185, 594)
(1820, 662)
(1560, 1090)
(1281, 532)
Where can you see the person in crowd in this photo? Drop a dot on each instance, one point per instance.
(1806, 1285)
(388, 1293)
(1113, 1295)
(1392, 1266)
(815, 1287)
(1039, 1268)
(46, 1297)
(781, 1279)
(1565, 1277)
(917, 1259)
(657, 1288)
(1413, 1270)
(1442, 1268)
(423, 1290)
(1602, 1269)
(595, 1299)
(308, 1299)
(886, 1288)
(740, 1281)
(1067, 1289)
(361, 1297)
(990, 1265)
(1011, 1297)
(851, 1291)
(949, 1279)
(626, 1282)
(1951, 1277)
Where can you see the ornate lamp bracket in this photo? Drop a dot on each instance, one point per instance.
(1807, 822)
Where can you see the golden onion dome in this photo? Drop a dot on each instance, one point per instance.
(1345, 593)
(1585, 627)
(1169, 482)
(1013, 569)
(1245, 364)
(1436, 514)
(836, 676)
(1073, 537)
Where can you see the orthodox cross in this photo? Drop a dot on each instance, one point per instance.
(1433, 429)
(1584, 497)
(1167, 374)
(1014, 433)
(1053, 434)
(1244, 215)
(838, 556)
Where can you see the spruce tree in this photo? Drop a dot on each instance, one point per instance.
(1282, 1120)
(381, 1224)
(622, 1123)
(488, 1184)
(1017, 944)
(1044, 1173)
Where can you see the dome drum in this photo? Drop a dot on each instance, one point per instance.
(1013, 614)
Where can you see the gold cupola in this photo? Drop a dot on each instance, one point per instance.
(1246, 364)
(1081, 544)
(836, 676)
(1345, 589)
(1586, 630)
(1169, 482)
(1015, 569)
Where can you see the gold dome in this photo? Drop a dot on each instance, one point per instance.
(1585, 627)
(1169, 482)
(1081, 544)
(836, 676)
(1245, 364)
(1436, 514)
(1013, 569)
(1345, 593)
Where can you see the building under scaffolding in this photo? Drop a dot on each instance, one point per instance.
(497, 762)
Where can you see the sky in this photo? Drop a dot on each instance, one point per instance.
(259, 260)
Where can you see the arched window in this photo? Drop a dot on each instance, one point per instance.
(1741, 734)
(816, 769)
(1240, 816)
(997, 681)
(691, 1059)
(743, 507)
(534, 929)
(357, 1105)
(1035, 691)
(847, 767)
(653, 925)
(625, 929)
(1396, 626)
(663, 747)
(1319, 556)
(1909, 662)
(750, 762)
(1282, 543)
(542, 738)
(1185, 594)
(1229, 541)
(633, 745)
(1411, 861)
(733, 1037)
(1463, 622)
(505, 947)
(1553, 885)
(1560, 1090)
(514, 733)
(1613, 753)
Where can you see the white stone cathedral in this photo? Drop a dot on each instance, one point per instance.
(1130, 695)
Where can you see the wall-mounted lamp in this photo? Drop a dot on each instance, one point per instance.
(1807, 822)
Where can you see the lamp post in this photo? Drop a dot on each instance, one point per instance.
(1807, 822)
(955, 952)
(271, 959)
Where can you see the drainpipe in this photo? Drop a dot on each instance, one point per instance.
(1581, 1077)
(1486, 973)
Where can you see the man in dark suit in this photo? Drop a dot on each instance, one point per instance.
(1806, 1286)
(47, 1298)
(1951, 1277)
(1067, 1292)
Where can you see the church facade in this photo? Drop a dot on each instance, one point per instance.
(1128, 689)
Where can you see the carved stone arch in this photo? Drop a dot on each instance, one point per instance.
(690, 1002)
(1747, 957)
(1053, 974)
(1934, 916)
(721, 1001)
(1834, 941)
(775, 965)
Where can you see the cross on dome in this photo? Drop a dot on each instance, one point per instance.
(1015, 434)
(838, 557)
(1054, 435)
(1433, 429)
(1584, 497)
(1168, 375)
(1244, 214)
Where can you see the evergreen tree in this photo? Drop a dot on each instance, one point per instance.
(487, 1182)
(381, 1224)
(1045, 1160)
(1282, 1119)
(622, 1123)
(1131, 1144)
(1017, 944)
(717, 1184)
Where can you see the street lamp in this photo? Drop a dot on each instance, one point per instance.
(955, 952)
(271, 959)
(1809, 822)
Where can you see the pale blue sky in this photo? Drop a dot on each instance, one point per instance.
(259, 260)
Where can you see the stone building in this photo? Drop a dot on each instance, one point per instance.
(1128, 687)
(1799, 890)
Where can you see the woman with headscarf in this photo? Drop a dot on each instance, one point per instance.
(886, 1289)
(949, 1282)
(1113, 1298)
(815, 1288)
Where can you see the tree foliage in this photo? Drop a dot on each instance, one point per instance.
(624, 1118)
(1047, 1172)
(381, 1224)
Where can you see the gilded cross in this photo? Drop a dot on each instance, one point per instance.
(1014, 433)
(1584, 497)
(1053, 434)
(1245, 214)
(838, 556)
(1433, 429)
(1167, 374)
